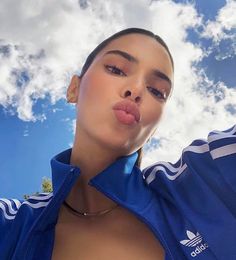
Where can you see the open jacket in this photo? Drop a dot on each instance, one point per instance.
(190, 206)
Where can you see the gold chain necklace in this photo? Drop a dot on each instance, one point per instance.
(88, 214)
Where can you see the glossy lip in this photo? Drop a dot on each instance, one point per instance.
(129, 107)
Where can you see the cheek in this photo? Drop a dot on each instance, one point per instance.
(152, 113)
(151, 117)
(95, 99)
(95, 86)
(88, 88)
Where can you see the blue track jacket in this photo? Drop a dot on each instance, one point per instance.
(190, 206)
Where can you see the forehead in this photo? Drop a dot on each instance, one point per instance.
(145, 48)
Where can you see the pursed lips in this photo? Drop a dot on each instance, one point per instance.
(129, 107)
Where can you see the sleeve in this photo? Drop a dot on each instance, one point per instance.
(202, 186)
(8, 211)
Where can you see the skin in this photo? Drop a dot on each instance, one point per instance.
(100, 138)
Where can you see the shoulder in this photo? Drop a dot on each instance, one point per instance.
(205, 173)
(14, 211)
(217, 151)
(9, 208)
(17, 218)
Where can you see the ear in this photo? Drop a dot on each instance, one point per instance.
(72, 93)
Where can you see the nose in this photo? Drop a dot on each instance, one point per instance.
(133, 90)
(136, 97)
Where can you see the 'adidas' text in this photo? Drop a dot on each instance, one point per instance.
(199, 249)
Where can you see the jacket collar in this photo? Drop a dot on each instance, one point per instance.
(61, 169)
(121, 181)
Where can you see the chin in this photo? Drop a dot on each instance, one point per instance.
(123, 148)
(121, 143)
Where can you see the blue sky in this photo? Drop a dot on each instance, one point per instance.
(38, 55)
(27, 147)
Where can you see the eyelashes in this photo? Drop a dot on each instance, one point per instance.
(115, 70)
(157, 93)
(153, 90)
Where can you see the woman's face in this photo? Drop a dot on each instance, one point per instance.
(122, 95)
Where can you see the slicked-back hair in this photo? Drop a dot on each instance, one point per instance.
(117, 35)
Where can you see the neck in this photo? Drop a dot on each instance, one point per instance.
(91, 159)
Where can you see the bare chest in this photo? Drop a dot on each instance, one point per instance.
(122, 239)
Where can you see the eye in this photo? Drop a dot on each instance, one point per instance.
(157, 93)
(115, 70)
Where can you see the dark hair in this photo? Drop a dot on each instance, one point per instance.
(103, 44)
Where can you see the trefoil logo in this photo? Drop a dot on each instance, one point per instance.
(194, 240)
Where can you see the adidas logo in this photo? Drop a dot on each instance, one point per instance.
(194, 240)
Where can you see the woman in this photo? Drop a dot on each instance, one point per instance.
(101, 207)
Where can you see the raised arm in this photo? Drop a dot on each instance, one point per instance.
(201, 187)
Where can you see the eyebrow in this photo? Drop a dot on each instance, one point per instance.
(125, 55)
(131, 58)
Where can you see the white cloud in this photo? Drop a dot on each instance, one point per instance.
(224, 22)
(26, 133)
(222, 30)
(46, 42)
